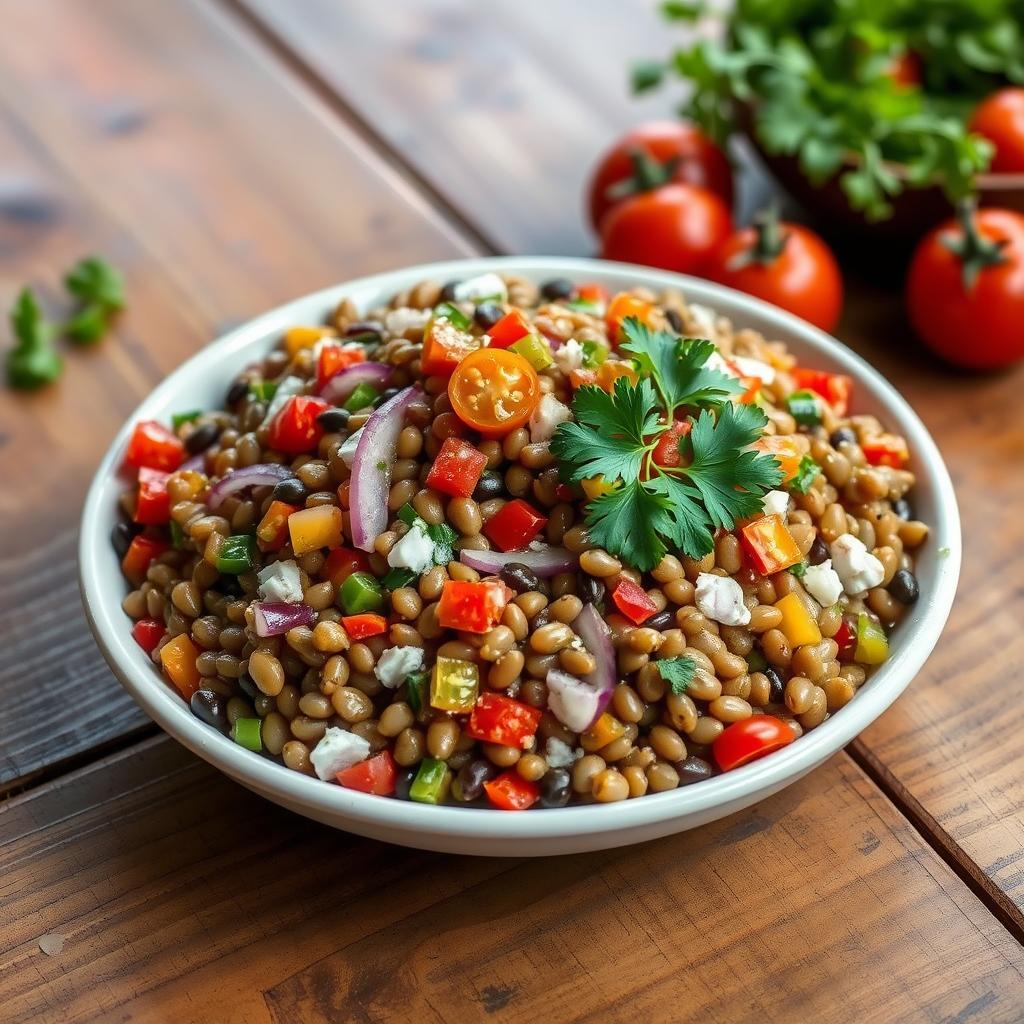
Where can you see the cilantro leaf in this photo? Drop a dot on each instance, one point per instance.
(689, 528)
(444, 538)
(631, 521)
(806, 473)
(800, 569)
(33, 361)
(87, 325)
(677, 672)
(677, 366)
(96, 282)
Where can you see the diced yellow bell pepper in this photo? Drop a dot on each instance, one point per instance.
(454, 685)
(297, 338)
(797, 622)
(602, 732)
(595, 486)
(313, 528)
(178, 657)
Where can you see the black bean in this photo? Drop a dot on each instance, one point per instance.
(903, 508)
(555, 788)
(364, 327)
(209, 707)
(519, 577)
(557, 288)
(487, 314)
(448, 291)
(248, 686)
(675, 320)
(385, 396)
(818, 553)
(490, 485)
(469, 783)
(238, 390)
(588, 589)
(201, 438)
(541, 619)
(291, 491)
(334, 420)
(663, 620)
(778, 687)
(693, 769)
(904, 587)
(122, 535)
(404, 781)
(842, 435)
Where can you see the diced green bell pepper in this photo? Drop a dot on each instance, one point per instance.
(431, 783)
(415, 687)
(594, 354)
(535, 350)
(177, 535)
(246, 733)
(872, 643)
(237, 554)
(804, 408)
(177, 418)
(360, 593)
(363, 395)
(453, 315)
(263, 390)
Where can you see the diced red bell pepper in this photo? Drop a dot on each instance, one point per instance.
(444, 347)
(846, 640)
(140, 554)
(769, 545)
(272, 531)
(154, 446)
(837, 388)
(152, 503)
(295, 430)
(148, 633)
(632, 600)
(508, 330)
(457, 468)
(514, 525)
(886, 450)
(335, 358)
(502, 720)
(473, 607)
(592, 293)
(367, 624)
(621, 308)
(375, 775)
(666, 451)
(342, 562)
(511, 792)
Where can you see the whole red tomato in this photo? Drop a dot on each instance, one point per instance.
(655, 154)
(1000, 118)
(965, 289)
(782, 263)
(675, 227)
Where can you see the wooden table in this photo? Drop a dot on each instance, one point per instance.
(230, 154)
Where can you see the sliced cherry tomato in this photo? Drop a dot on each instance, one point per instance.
(836, 388)
(508, 330)
(140, 554)
(676, 227)
(769, 546)
(886, 450)
(154, 446)
(785, 264)
(666, 451)
(473, 607)
(1000, 118)
(457, 468)
(742, 742)
(965, 289)
(624, 306)
(494, 391)
(295, 430)
(632, 600)
(654, 154)
(335, 358)
(153, 503)
(502, 720)
(360, 626)
(148, 633)
(514, 525)
(511, 792)
(376, 775)
(444, 347)
(342, 562)
(272, 531)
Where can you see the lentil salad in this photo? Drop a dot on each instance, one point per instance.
(456, 634)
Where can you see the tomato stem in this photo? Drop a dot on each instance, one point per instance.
(648, 174)
(769, 241)
(974, 251)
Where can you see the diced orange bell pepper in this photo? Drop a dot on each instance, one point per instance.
(886, 450)
(297, 338)
(444, 347)
(178, 657)
(473, 607)
(140, 554)
(272, 531)
(314, 528)
(797, 623)
(623, 306)
(769, 545)
(606, 729)
(786, 450)
(359, 627)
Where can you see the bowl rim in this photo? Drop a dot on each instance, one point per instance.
(339, 805)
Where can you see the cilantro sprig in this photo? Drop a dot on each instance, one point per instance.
(99, 289)
(678, 673)
(33, 361)
(718, 479)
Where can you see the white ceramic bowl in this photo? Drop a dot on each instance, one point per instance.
(201, 383)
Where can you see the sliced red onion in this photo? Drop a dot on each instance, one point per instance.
(274, 618)
(544, 562)
(573, 702)
(371, 468)
(591, 628)
(344, 382)
(263, 474)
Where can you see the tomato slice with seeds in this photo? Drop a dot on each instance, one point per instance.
(494, 391)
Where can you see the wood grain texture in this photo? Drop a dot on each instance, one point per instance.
(179, 896)
(165, 138)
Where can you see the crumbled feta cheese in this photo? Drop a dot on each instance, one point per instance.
(857, 567)
(280, 581)
(776, 503)
(559, 754)
(754, 368)
(476, 289)
(414, 551)
(337, 751)
(347, 451)
(822, 582)
(285, 389)
(405, 318)
(569, 356)
(396, 663)
(721, 598)
(546, 417)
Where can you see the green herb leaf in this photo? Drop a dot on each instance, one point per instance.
(398, 577)
(646, 74)
(805, 475)
(96, 283)
(88, 325)
(800, 569)
(32, 362)
(444, 538)
(631, 521)
(677, 672)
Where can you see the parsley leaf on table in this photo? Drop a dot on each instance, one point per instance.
(33, 361)
(677, 672)
(100, 290)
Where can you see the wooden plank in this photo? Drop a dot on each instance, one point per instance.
(175, 895)
(165, 138)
